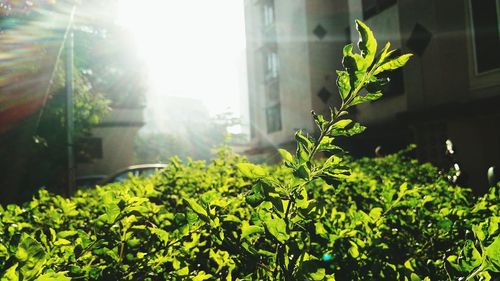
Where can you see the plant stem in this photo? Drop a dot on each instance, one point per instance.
(476, 272)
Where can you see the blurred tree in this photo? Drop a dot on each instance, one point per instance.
(106, 73)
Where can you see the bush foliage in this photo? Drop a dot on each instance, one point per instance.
(310, 218)
(391, 219)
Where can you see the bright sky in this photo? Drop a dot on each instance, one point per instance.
(193, 48)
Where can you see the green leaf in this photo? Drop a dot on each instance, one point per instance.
(285, 155)
(326, 144)
(393, 64)
(344, 84)
(256, 196)
(375, 213)
(183, 271)
(32, 257)
(302, 154)
(303, 172)
(366, 98)
(353, 62)
(452, 260)
(67, 233)
(197, 208)
(367, 43)
(493, 227)
(160, 233)
(414, 277)
(377, 85)
(341, 124)
(53, 276)
(353, 250)
(472, 257)
(251, 171)
(202, 276)
(300, 138)
(11, 274)
(112, 213)
(318, 275)
(384, 53)
(232, 218)
(3, 251)
(478, 231)
(493, 254)
(320, 229)
(320, 120)
(277, 228)
(247, 230)
(353, 130)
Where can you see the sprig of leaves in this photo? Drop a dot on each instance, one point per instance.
(357, 83)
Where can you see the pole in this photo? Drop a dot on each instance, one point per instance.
(69, 112)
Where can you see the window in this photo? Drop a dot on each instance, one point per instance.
(271, 64)
(268, 13)
(273, 118)
(272, 92)
(373, 7)
(486, 31)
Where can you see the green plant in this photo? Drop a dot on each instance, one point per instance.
(291, 212)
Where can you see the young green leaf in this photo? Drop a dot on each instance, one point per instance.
(367, 43)
(353, 250)
(367, 98)
(197, 208)
(493, 254)
(472, 257)
(352, 62)
(247, 230)
(277, 228)
(384, 53)
(341, 124)
(251, 171)
(344, 84)
(303, 140)
(160, 233)
(31, 255)
(54, 276)
(285, 155)
(393, 64)
(11, 274)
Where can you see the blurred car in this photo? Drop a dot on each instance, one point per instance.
(89, 181)
(143, 170)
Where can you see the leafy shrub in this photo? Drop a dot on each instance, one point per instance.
(309, 219)
(391, 218)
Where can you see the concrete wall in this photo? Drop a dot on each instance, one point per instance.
(294, 79)
(118, 132)
(325, 53)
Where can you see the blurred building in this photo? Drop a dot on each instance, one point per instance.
(449, 90)
(293, 50)
(111, 146)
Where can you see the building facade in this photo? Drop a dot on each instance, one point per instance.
(449, 90)
(111, 146)
(292, 48)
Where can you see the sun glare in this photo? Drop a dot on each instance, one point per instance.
(192, 48)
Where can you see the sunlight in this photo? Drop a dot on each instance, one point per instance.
(192, 48)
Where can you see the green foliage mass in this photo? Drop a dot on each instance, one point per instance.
(310, 218)
(390, 219)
